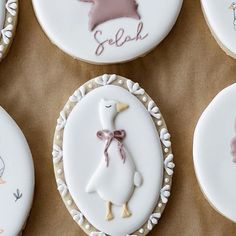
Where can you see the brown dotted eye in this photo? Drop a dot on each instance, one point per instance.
(108, 106)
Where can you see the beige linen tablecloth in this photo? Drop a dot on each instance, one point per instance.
(182, 75)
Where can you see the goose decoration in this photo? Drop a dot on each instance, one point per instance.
(233, 7)
(2, 169)
(116, 176)
(16, 177)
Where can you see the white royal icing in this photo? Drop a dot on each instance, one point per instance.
(16, 177)
(116, 40)
(213, 160)
(8, 21)
(109, 188)
(2, 13)
(221, 18)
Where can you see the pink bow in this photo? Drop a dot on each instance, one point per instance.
(109, 136)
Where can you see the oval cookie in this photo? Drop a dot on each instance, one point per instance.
(16, 177)
(106, 31)
(111, 151)
(8, 22)
(214, 153)
(221, 19)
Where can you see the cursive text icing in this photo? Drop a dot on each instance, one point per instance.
(119, 39)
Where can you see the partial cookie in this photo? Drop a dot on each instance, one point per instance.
(107, 31)
(214, 151)
(112, 158)
(221, 19)
(16, 177)
(8, 22)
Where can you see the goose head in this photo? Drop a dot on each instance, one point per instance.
(108, 110)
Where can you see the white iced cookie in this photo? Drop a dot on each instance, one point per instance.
(16, 177)
(214, 150)
(112, 158)
(8, 22)
(221, 19)
(106, 31)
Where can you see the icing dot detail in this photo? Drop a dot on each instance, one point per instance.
(167, 180)
(144, 99)
(69, 202)
(120, 82)
(141, 231)
(159, 123)
(90, 85)
(59, 171)
(9, 19)
(1, 48)
(87, 226)
(160, 205)
(58, 137)
(166, 150)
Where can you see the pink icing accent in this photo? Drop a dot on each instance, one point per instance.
(119, 39)
(105, 10)
(233, 145)
(108, 137)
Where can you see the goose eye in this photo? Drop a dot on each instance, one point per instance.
(108, 106)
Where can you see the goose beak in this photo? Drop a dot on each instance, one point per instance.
(121, 107)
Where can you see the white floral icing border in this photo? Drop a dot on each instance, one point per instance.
(57, 153)
(9, 26)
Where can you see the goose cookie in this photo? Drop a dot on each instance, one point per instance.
(104, 167)
(214, 151)
(8, 22)
(221, 19)
(106, 31)
(16, 177)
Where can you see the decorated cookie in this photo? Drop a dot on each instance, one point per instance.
(16, 177)
(106, 31)
(221, 19)
(214, 151)
(8, 22)
(112, 152)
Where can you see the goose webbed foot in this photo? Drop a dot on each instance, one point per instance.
(125, 211)
(109, 215)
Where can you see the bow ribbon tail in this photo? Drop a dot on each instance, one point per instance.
(122, 152)
(108, 142)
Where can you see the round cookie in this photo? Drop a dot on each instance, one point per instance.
(16, 177)
(8, 22)
(112, 152)
(106, 31)
(221, 19)
(214, 149)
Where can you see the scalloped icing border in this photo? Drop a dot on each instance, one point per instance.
(9, 27)
(57, 154)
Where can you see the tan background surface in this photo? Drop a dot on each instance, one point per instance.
(182, 75)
